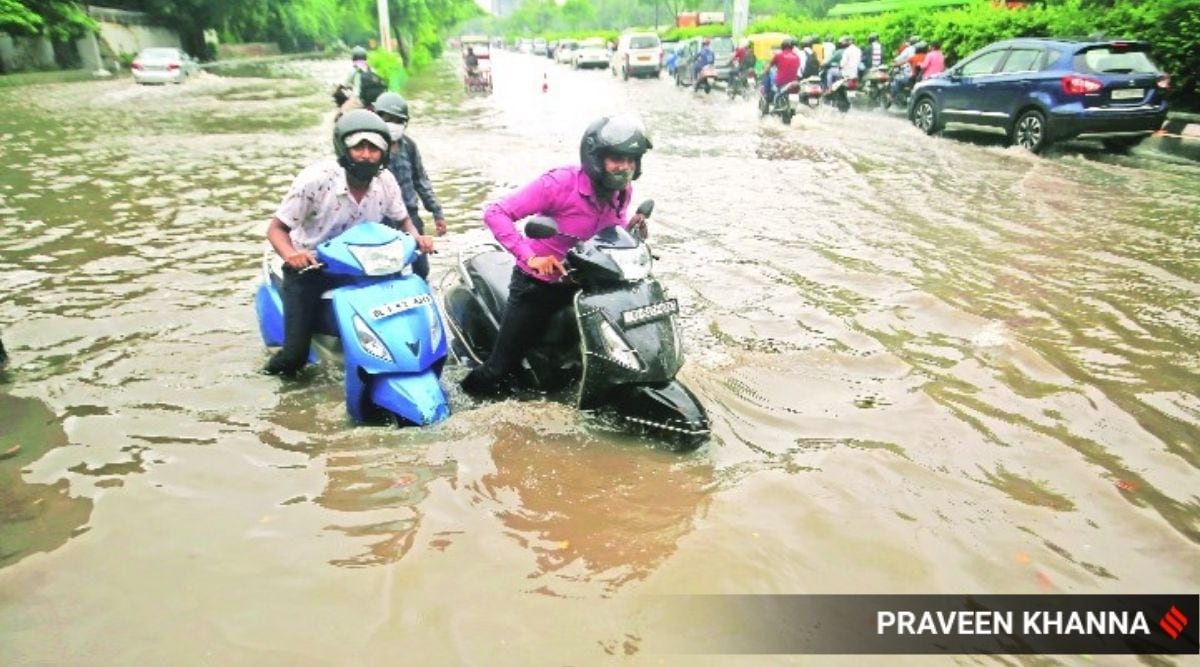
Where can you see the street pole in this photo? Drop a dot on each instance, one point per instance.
(741, 16)
(385, 26)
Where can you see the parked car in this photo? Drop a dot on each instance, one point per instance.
(592, 52)
(637, 54)
(565, 51)
(160, 64)
(539, 46)
(689, 50)
(1040, 91)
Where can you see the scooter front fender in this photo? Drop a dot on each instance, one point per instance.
(666, 408)
(417, 398)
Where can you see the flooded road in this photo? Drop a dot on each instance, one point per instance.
(932, 365)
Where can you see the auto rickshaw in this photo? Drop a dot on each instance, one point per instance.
(479, 79)
(765, 45)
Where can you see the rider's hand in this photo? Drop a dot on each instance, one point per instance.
(439, 226)
(300, 259)
(638, 227)
(546, 265)
(425, 243)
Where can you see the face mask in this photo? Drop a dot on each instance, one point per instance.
(397, 130)
(617, 180)
(362, 171)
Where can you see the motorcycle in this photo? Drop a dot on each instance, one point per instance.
(899, 98)
(839, 93)
(706, 78)
(811, 91)
(386, 321)
(783, 102)
(620, 342)
(875, 86)
(741, 83)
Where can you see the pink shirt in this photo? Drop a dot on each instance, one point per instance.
(565, 194)
(934, 63)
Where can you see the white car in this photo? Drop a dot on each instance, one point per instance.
(637, 54)
(591, 53)
(161, 64)
(565, 51)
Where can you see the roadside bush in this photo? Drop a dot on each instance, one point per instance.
(389, 67)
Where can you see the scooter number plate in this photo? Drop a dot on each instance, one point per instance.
(654, 311)
(407, 303)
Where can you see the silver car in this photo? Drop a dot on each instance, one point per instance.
(161, 64)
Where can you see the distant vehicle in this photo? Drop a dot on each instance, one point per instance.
(689, 50)
(637, 54)
(539, 46)
(1039, 91)
(162, 64)
(525, 45)
(565, 52)
(592, 52)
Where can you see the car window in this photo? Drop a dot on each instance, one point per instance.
(1115, 60)
(160, 53)
(984, 63)
(1052, 56)
(1022, 60)
(643, 42)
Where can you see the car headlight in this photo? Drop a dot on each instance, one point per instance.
(617, 349)
(633, 262)
(381, 260)
(369, 341)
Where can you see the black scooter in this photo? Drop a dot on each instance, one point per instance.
(620, 341)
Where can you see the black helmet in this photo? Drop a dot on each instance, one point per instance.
(873, 37)
(787, 44)
(622, 134)
(807, 41)
(358, 53)
(354, 122)
(393, 105)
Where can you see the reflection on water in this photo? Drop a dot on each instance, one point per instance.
(591, 512)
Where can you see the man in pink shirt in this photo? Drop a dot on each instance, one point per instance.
(583, 200)
(935, 62)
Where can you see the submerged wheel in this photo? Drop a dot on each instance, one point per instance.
(1029, 132)
(925, 116)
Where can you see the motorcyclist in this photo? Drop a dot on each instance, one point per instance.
(911, 72)
(873, 57)
(704, 58)
(851, 58)
(810, 62)
(404, 161)
(326, 199)
(583, 200)
(742, 63)
(348, 94)
(832, 67)
(786, 65)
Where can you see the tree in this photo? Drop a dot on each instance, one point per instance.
(578, 13)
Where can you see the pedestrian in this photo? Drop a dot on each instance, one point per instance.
(325, 200)
(404, 162)
(583, 200)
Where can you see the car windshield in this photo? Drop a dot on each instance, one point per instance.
(722, 45)
(647, 42)
(592, 44)
(1115, 60)
(160, 53)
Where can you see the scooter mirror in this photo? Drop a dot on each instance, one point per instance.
(645, 208)
(541, 227)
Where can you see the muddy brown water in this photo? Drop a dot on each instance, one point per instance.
(932, 365)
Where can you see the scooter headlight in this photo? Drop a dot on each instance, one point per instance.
(368, 341)
(633, 262)
(435, 326)
(381, 260)
(616, 347)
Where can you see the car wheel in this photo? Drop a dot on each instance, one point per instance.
(925, 116)
(1121, 144)
(1029, 132)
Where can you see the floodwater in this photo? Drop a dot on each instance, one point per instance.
(932, 365)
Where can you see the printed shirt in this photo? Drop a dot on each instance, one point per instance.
(565, 194)
(318, 206)
(406, 166)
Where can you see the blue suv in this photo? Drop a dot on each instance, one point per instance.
(1044, 90)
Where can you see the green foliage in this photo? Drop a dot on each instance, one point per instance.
(17, 19)
(388, 66)
(677, 34)
(59, 20)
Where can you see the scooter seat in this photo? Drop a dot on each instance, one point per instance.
(491, 272)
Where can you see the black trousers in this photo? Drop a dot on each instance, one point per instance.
(420, 265)
(531, 304)
(301, 295)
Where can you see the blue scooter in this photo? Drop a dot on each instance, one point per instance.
(388, 324)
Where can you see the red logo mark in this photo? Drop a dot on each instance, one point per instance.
(1173, 622)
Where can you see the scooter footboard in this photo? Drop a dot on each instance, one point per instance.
(416, 397)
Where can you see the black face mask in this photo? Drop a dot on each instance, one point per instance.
(617, 180)
(361, 171)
